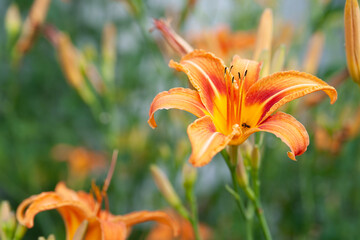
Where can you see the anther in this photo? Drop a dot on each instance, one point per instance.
(225, 70)
(233, 80)
(239, 75)
(245, 73)
(231, 67)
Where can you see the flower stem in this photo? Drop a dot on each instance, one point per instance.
(255, 198)
(190, 195)
(238, 200)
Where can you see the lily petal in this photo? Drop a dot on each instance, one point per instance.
(289, 130)
(112, 230)
(180, 98)
(206, 142)
(252, 69)
(144, 216)
(72, 212)
(206, 74)
(271, 92)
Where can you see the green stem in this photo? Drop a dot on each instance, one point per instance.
(259, 212)
(238, 200)
(190, 195)
(256, 182)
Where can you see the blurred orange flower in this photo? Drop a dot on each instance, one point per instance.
(186, 232)
(233, 103)
(77, 207)
(333, 141)
(224, 43)
(81, 161)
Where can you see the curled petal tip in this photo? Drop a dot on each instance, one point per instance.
(152, 123)
(291, 156)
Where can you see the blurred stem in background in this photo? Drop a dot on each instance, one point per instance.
(167, 190)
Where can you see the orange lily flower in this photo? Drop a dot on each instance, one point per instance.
(76, 207)
(186, 231)
(232, 103)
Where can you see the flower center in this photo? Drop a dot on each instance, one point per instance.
(234, 99)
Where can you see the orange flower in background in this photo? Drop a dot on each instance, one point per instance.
(232, 103)
(186, 232)
(223, 42)
(81, 161)
(76, 207)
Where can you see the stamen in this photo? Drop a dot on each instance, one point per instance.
(225, 70)
(245, 73)
(231, 67)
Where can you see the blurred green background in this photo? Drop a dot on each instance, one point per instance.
(316, 197)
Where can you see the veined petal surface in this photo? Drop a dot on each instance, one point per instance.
(269, 93)
(72, 212)
(206, 74)
(179, 98)
(289, 130)
(206, 142)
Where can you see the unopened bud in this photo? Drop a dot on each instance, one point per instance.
(177, 43)
(7, 220)
(264, 34)
(352, 38)
(189, 175)
(255, 158)
(50, 237)
(19, 232)
(109, 52)
(278, 60)
(241, 174)
(313, 53)
(32, 25)
(165, 187)
(12, 21)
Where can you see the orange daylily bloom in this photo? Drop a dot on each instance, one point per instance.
(81, 161)
(224, 42)
(76, 207)
(232, 103)
(161, 232)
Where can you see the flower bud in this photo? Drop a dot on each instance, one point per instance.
(165, 187)
(109, 52)
(7, 220)
(241, 174)
(255, 158)
(278, 60)
(313, 53)
(264, 34)
(177, 43)
(32, 24)
(189, 175)
(352, 38)
(12, 21)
